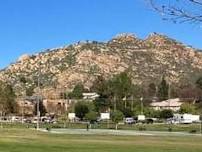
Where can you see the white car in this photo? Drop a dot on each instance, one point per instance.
(129, 120)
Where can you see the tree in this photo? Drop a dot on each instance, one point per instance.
(7, 98)
(127, 112)
(163, 89)
(81, 109)
(199, 83)
(42, 108)
(101, 104)
(101, 86)
(112, 91)
(121, 85)
(187, 108)
(151, 90)
(150, 112)
(165, 114)
(116, 117)
(77, 92)
(91, 116)
(179, 10)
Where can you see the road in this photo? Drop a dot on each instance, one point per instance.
(117, 132)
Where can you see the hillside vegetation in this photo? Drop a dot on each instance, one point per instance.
(146, 60)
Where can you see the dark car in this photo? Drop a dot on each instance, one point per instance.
(149, 121)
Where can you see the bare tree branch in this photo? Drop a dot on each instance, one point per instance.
(177, 11)
(196, 2)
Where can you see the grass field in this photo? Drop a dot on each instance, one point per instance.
(148, 127)
(26, 140)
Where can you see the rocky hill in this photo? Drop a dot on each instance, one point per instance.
(146, 60)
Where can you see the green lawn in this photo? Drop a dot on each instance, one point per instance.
(148, 127)
(25, 140)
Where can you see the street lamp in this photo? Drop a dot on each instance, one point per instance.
(141, 99)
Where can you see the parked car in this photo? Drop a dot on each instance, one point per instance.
(149, 121)
(27, 121)
(129, 120)
(34, 120)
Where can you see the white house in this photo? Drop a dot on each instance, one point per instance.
(90, 95)
(173, 104)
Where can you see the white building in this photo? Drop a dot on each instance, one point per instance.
(172, 104)
(185, 118)
(90, 95)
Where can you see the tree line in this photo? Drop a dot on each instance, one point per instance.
(121, 97)
(118, 93)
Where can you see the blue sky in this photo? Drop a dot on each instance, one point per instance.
(29, 26)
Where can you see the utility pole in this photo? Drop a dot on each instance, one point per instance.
(38, 99)
(23, 103)
(132, 104)
(125, 102)
(142, 108)
(169, 94)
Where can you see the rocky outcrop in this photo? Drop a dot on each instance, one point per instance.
(147, 60)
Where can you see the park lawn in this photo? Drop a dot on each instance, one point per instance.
(148, 127)
(26, 140)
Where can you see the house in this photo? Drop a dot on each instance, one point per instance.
(25, 106)
(90, 95)
(56, 106)
(172, 104)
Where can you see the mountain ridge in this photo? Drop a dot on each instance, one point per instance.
(146, 59)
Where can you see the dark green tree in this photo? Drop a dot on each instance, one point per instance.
(113, 91)
(121, 85)
(116, 117)
(101, 104)
(91, 116)
(7, 99)
(127, 112)
(163, 89)
(165, 114)
(151, 90)
(77, 92)
(81, 109)
(102, 87)
(42, 108)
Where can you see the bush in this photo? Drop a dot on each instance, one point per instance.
(187, 108)
(170, 129)
(81, 109)
(117, 116)
(165, 114)
(127, 112)
(193, 131)
(91, 116)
